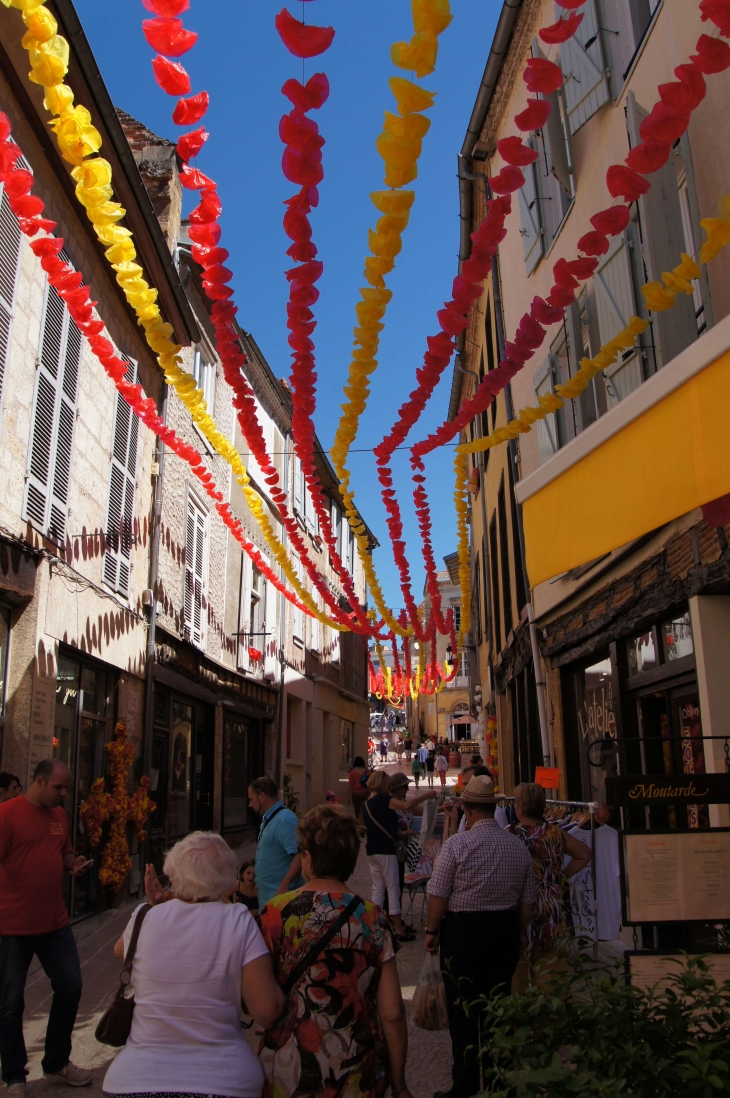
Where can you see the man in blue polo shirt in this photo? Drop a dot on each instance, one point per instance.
(278, 862)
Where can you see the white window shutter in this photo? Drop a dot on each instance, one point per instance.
(555, 137)
(531, 231)
(120, 510)
(615, 305)
(10, 238)
(53, 420)
(584, 68)
(663, 239)
(316, 627)
(270, 642)
(196, 564)
(547, 429)
(244, 663)
(298, 623)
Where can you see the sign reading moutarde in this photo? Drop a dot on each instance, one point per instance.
(669, 789)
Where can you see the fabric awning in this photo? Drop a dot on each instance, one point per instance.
(660, 453)
(463, 718)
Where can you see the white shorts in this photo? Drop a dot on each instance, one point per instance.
(384, 870)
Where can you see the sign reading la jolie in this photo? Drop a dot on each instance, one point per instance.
(669, 789)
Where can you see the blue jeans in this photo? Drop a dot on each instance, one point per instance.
(59, 957)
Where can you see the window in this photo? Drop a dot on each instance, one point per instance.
(516, 546)
(336, 521)
(491, 363)
(120, 508)
(504, 558)
(4, 644)
(531, 228)
(196, 573)
(624, 25)
(347, 743)
(52, 423)
(204, 374)
(9, 260)
(299, 488)
(477, 600)
(549, 438)
(552, 173)
(256, 610)
(316, 627)
(582, 62)
(578, 333)
(616, 303)
(494, 566)
(241, 764)
(298, 623)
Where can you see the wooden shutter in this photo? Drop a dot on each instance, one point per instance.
(298, 623)
(52, 423)
(10, 238)
(120, 508)
(584, 67)
(336, 521)
(615, 305)
(298, 493)
(662, 237)
(531, 231)
(316, 627)
(556, 138)
(244, 663)
(196, 565)
(269, 644)
(547, 429)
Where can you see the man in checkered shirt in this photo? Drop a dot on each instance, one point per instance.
(480, 902)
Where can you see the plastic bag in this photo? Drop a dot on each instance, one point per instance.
(428, 1009)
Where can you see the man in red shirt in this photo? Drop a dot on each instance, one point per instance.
(35, 850)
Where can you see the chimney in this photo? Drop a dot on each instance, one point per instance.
(157, 162)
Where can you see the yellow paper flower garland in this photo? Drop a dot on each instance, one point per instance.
(78, 139)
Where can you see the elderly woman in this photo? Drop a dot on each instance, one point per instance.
(380, 816)
(343, 1031)
(547, 844)
(196, 957)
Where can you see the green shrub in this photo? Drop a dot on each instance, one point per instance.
(589, 1034)
(290, 797)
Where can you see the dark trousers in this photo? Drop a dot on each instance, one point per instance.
(59, 957)
(479, 954)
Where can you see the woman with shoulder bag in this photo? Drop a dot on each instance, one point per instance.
(343, 1030)
(380, 816)
(195, 957)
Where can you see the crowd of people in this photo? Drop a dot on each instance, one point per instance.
(285, 939)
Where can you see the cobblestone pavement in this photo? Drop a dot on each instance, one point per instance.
(429, 1054)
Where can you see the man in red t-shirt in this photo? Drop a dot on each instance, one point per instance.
(35, 850)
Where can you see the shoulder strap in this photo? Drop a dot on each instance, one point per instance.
(125, 974)
(266, 822)
(377, 823)
(320, 945)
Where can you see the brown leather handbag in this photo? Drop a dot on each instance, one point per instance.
(115, 1023)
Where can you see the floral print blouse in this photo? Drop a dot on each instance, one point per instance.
(546, 844)
(328, 1041)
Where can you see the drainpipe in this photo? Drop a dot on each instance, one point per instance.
(152, 628)
(282, 636)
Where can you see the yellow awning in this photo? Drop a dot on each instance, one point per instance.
(674, 457)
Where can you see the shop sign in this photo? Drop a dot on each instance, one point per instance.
(669, 789)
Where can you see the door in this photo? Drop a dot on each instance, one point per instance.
(203, 783)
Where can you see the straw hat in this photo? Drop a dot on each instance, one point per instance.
(480, 790)
(398, 780)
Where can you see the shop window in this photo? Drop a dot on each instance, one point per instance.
(195, 612)
(347, 743)
(241, 764)
(180, 770)
(9, 261)
(52, 422)
(120, 509)
(662, 644)
(677, 637)
(590, 728)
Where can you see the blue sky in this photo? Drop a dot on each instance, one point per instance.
(240, 60)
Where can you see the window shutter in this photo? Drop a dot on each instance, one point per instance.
(9, 260)
(531, 231)
(583, 64)
(662, 240)
(615, 305)
(244, 663)
(298, 623)
(120, 510)
(52, 425)
(547, 429)
(270, 641)
(557, 150)
(315, 624)
(298, 494)
(336, 526)
(196, 563)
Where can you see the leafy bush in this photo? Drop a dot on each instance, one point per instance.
(289, 794)
(589, 1034)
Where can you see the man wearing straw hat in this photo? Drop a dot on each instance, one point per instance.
(480, 902)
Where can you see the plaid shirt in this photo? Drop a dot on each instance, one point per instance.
(483, 869)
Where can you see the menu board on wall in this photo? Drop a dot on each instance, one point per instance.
(647, 971)
(677, 875)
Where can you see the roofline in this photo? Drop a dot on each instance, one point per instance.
(175, 304)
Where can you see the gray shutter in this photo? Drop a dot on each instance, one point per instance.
(557, 149)
(52, 424)
(244, 663)
(269, 642)
(120, 510)
(547, 429)
(194, 597)
(615, 305)
(298, 493)
(530, 231)
(662, 241)
(10, 237)
(586, 86)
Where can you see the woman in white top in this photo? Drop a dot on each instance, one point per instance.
(196, 957)
(442, 766)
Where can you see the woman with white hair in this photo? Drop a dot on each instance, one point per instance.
(196, 957)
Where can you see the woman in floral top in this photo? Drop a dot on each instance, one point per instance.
(548, 845)
(343, 1032)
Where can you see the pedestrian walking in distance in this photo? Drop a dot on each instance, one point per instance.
(430, 766)
(442, 766)
(35, 851)
(343, 1031)
(482, 890)
(196, 958)
(278, 863)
